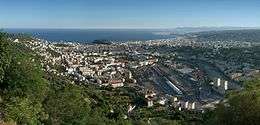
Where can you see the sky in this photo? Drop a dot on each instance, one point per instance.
(128, 13)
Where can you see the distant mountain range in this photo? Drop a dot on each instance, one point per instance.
(246, 35)
(185, 30)
(182, 30)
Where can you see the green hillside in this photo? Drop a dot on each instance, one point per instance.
(30, 96)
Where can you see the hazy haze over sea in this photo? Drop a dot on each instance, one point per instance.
(89, 35)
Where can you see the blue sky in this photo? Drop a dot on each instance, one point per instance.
(128, 13)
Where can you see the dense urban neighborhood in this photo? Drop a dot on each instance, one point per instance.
(196, 75)
(129, 62)
(179, 74)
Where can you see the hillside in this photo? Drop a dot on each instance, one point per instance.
(31, 96)
(28, 95)
(229, 35)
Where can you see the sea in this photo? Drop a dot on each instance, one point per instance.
(89, 35)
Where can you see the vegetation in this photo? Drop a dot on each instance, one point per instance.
(106, 42)
(229, 35)
(30, 96)
(22, 87)
(4, 57)
(241, 108)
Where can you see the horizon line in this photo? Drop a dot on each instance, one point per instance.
(134, 28)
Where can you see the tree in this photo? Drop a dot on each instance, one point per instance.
(4, 56)
(23, 111)
(67, 105)
(22, 85)
(242, 108)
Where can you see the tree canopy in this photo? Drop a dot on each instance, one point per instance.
(241, 108)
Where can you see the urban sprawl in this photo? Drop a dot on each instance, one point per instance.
(178, 72)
